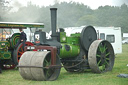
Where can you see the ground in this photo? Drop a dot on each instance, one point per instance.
(12, 77)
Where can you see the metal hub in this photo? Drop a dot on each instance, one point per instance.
(103, 57)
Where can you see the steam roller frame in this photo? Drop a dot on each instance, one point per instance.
(101, 56)
(40, 65)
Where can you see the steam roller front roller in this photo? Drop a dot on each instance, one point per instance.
(101, 56)
(37, 66)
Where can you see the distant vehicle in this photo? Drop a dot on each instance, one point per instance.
(113, 35)
(9, 36)
(125, 41)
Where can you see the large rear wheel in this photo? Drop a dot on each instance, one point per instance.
(101, 56)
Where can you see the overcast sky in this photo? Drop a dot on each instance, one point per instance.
(94, 4)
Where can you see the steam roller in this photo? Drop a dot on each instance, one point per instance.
(76, 53)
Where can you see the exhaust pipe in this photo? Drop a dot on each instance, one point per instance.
(53, 23)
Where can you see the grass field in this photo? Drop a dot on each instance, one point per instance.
(12, 77)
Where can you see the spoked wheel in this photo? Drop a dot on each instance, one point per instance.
(19, 51)
(40, 59)
(51, 73)
(101, 56)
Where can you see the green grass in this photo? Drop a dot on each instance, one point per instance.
(12, 77)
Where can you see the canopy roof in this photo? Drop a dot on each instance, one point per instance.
(20, 25)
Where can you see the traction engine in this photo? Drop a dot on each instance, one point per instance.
(76, 53)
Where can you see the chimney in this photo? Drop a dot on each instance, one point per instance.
(53, 23)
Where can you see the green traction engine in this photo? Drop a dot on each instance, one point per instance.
(9, 54)
(6, 51)
(76, 53)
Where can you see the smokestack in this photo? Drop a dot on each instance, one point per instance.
(53, 23)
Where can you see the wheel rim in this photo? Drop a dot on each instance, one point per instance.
(101, 56)
(20, 50)
(47, 72)
(50, 73)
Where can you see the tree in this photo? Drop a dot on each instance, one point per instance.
(87, 20)
(25, 14)
(73, 14)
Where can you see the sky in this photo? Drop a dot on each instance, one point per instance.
(93, 4)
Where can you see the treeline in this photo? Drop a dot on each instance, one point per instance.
(70, 15)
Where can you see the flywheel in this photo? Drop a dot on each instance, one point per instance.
(87, 36)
